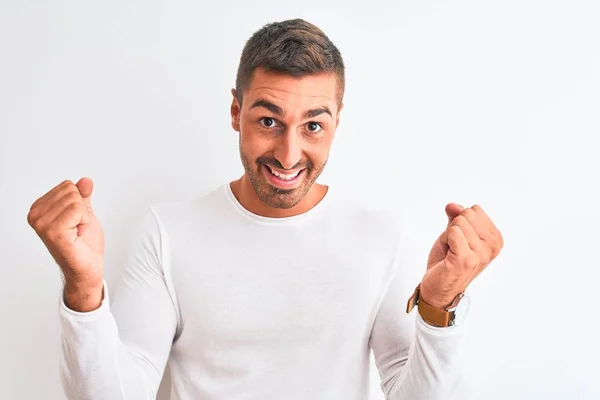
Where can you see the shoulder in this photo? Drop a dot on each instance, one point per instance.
(374, 218)
(191, 210)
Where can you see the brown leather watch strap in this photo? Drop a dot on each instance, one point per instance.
(430, 314)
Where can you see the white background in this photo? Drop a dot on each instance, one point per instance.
(489, 103)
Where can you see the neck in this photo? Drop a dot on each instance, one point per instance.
(246, 195)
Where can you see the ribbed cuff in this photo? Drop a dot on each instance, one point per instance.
(69, 313)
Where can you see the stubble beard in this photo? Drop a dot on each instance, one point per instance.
(276, 197)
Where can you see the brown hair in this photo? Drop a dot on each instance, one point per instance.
(295, 47)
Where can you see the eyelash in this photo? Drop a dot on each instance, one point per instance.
(321, 127)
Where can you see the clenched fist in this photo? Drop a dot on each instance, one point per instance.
(64, 220)
(467, 246)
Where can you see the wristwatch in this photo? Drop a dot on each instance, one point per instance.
(440, 317)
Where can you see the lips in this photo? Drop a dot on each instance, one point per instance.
(284, 176)
(283, 180)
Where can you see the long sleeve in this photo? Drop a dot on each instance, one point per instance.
(416, 361)
(119, 351)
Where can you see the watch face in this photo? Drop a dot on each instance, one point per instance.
(461, 310)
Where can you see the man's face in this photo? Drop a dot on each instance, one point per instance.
(286, 125)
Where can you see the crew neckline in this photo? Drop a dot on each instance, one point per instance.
(275, 220)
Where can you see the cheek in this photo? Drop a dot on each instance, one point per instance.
(253, 143)
(317, 153)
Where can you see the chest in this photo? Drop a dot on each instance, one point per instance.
(278, 291)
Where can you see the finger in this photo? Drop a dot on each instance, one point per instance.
(86, 187)
(86, 219)
(44, 216)
(471, 236)
(460, 254)
(39, 207)
(491, 233)
(70, 218)
(59, 207)
(458, 247)
(86, 215)
(452, 211)
(477, 232)
(484, 220)
(480, 223)
(492, 240)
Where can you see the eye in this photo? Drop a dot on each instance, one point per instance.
(314, 127)
(268, 122)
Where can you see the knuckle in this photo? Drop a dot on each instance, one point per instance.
(492, 257)
(459, 220)
(37, 223)
(74, 207)
(467, 212)
(39, 227)
(494, 246)
(454, 230)
(31, 219)
(72, 197)
(497, 250)
(496, 243)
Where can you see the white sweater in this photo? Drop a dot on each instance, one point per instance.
(250, 307)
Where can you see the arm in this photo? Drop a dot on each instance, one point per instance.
(415, 360)
(120, 351)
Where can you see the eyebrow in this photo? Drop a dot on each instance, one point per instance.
(275, 109)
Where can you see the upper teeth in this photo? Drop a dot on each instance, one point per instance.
(284, 176)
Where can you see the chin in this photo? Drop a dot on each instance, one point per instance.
(281, 198)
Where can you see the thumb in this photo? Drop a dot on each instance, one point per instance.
(453, 210)
(86, 187)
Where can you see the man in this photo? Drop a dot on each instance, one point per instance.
(272, 286)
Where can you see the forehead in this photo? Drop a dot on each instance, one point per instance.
(292, 92)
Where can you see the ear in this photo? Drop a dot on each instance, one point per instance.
(235, 112)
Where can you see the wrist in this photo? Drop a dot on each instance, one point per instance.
(441, 302)
(83, 298)
(440, 313)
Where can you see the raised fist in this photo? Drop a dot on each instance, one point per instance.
(64, 220)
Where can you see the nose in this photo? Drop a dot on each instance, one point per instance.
(288, 150)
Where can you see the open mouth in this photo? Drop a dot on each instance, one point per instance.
(283, 180)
